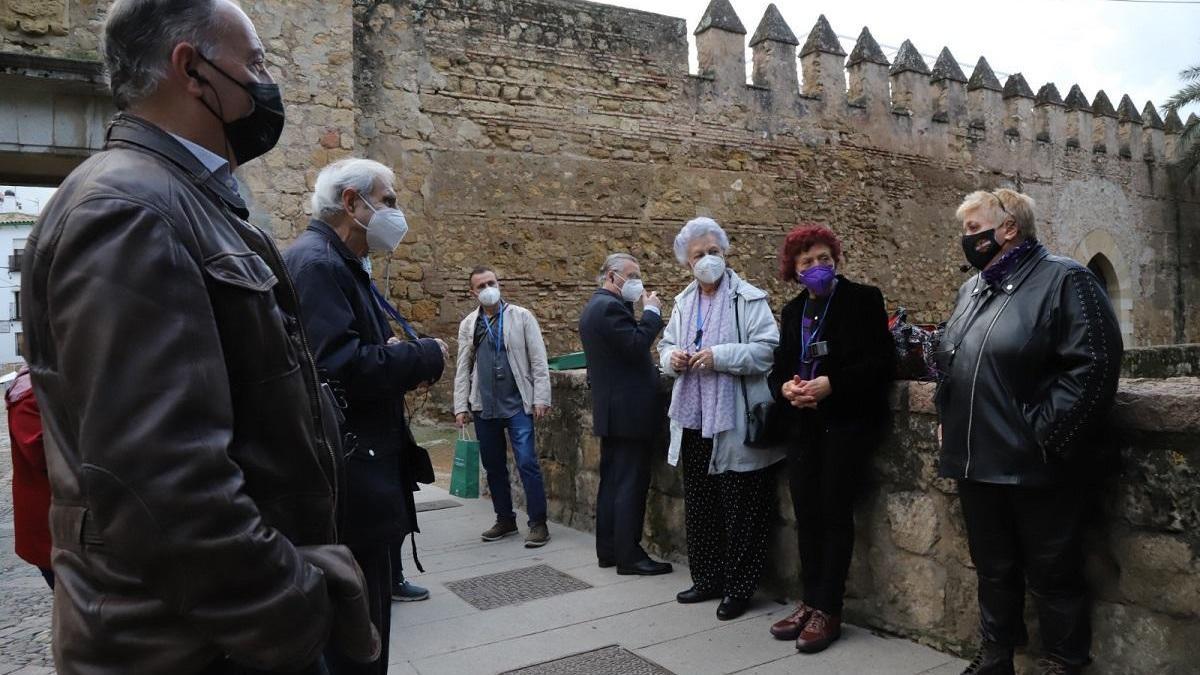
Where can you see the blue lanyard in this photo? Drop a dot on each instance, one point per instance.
(393, 312)
(816, 330)
(497, 336)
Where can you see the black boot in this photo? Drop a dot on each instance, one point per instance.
(992, 659)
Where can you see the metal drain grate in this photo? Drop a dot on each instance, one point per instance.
(437, 505)
(515, 586)
(611, 660)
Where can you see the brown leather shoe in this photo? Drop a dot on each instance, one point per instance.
(820, 631)
(789, 627)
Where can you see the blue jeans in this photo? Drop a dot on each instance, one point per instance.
(493, 454)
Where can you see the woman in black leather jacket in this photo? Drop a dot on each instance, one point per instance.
(1028, 364)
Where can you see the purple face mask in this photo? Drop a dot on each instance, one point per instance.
(818, 280)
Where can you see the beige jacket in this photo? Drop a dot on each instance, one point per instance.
(526, 356)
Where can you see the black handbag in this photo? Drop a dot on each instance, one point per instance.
(760, 419)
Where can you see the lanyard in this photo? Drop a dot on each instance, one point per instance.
(393, 312)
(496, 336)
(816, 329)
(699, 325)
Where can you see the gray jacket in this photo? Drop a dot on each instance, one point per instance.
(526, 356)
(752, 359)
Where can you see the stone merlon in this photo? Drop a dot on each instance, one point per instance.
(908, 59)
(1192, 119)
(983, 77)
(946, 68)
(1101, 106)
(1048, 95)
(1150, 117)
(720, 15)
(1076, 100)
(822, 39)
(774, 28)
(1016, 86)
(1172, 124)
(867, 50)
(1127, 111)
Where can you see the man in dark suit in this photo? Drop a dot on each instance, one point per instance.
(625, 409)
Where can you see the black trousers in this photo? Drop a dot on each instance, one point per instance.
(825, 474)
(375, 562)
(1035, 535)
(727, 519)
(621, 502)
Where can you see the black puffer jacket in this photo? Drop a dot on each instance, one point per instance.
(1029, 368)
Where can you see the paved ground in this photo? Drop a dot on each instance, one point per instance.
(563, 608)
(24, 598)
(447, 634)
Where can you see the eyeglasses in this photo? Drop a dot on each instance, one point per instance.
(1000, 203)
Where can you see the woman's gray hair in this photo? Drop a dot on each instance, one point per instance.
(140, 35)
(999, 205)
(354, 173)
(613, 263)
(694, 229)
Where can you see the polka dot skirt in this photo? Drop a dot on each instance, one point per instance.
(726, 516)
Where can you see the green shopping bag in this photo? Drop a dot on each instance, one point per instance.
(464, 477)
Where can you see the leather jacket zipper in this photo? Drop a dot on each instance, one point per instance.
(975, 381)
(314, 393)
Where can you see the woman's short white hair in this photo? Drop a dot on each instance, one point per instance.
(354, 173)
(1000, 205)
(693, 230)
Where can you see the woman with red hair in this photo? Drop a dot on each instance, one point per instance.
(832, 368)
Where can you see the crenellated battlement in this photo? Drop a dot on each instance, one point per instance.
(904, 104)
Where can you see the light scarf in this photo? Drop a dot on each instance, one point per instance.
(706, 398)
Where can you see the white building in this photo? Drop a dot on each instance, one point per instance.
(14, 230)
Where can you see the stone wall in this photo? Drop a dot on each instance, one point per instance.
(538, 135)
(912, 573)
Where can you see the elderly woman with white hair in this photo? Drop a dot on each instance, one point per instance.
(1028, 367)
(719, 346)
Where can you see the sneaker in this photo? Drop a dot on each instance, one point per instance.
(409, 592)
(500, 530)
(538, 535)
(992, 659)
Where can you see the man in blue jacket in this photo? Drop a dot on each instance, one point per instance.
(346, 320)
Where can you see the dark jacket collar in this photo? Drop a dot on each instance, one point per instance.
(127, 130)
(323, 229)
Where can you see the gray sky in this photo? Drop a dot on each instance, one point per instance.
(1134, 48)
(32, 199)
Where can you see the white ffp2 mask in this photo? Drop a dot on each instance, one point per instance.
(709, 269)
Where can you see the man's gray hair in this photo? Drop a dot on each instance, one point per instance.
(140, 35)
(613, 263)
(694, 229)
(354, 173)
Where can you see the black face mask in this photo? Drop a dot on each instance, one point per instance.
(980, 248)
(255, 134)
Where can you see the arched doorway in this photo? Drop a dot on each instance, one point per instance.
(1103, 269)
(1099, 251)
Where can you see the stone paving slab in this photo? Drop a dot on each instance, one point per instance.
(446, 635)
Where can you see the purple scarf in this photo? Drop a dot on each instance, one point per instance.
(999, 270)
(705, 399)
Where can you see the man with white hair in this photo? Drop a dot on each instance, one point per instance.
(346, 319)
(192, 458)
(626, 410)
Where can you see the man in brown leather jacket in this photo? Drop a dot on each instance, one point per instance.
(192, 460)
